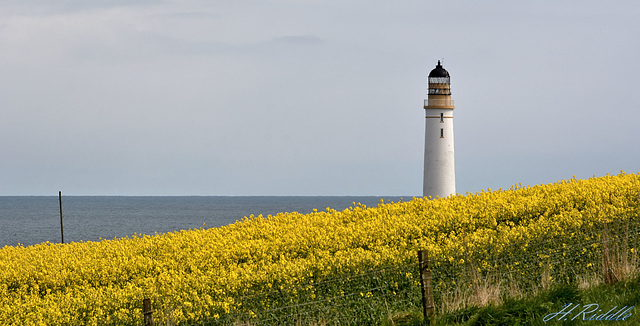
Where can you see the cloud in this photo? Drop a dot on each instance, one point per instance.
(298, 39)
(45, 7)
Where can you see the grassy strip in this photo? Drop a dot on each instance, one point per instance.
(532, 310)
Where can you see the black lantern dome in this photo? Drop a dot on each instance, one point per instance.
(439, 71)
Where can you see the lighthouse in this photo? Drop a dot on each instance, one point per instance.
(439, 162)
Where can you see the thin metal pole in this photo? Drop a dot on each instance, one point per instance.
(61, 226)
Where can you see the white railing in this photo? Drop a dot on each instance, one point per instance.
(438, 102)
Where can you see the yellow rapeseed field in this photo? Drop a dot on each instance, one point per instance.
(205, 270)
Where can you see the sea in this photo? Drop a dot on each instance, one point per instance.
(30, 220)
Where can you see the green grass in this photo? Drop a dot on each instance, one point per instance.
(531, 310)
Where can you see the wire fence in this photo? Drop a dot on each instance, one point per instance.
(364, 298)
(605, 252)
(610, 254)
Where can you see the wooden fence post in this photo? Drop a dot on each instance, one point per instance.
(148, 313)
(428, 307)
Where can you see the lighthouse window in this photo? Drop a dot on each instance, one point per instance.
(439, 80)
(441, 117)
(441, 132)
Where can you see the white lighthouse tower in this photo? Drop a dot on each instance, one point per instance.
(439, 163)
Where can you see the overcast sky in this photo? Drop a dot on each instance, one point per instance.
(320, 97)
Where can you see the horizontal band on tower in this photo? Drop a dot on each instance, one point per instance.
(438, 102)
